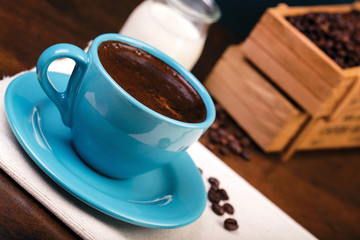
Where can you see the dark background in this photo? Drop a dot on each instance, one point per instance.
(240, 16)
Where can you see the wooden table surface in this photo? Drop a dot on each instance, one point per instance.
(320, 189)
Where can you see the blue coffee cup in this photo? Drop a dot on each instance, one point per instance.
(114, 133)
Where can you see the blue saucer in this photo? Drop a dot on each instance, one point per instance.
(168, 197)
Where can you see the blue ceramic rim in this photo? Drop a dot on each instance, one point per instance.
(209, 105)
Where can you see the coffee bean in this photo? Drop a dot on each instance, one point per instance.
(214, 126)
(214, 137)
(222, 194)
(214, 181)
(228, 208)
(210, 146)
(217, 209)
(218, 108)
(221, 117)
(231, 138)
(214, 187)
(238, 134)
(245, 156)
(245, 141)
(235, 147)
(224, 140)
(213, 196)
(223, 150)
(231, 224)
(222, 132)
(334, 33)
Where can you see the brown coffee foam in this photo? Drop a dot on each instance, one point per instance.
(152, 82)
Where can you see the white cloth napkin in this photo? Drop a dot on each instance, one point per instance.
(258, 218)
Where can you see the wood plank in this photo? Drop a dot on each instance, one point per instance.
(299, 69)
(298, 140)
(267, 116)
(289, 131)
(350, 105)
(259, 85)
(281, 77)
(301, 45)
(351, 72)
(285, 10)
(351, 95)
(339, 95)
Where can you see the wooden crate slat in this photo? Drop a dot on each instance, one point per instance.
(254, 104)
(300, 44)
(350, 97)
(283, 9)
(302, 72)
(335, 102)
(281, 77)
(258, 86)
(353, 104)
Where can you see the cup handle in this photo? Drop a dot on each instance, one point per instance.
(63, 100)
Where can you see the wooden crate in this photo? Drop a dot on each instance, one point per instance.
(295, 64)
(284, 91)
(260, 109)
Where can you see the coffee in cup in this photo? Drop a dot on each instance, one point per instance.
(152, 82)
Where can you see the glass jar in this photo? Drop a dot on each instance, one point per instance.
(177, 27)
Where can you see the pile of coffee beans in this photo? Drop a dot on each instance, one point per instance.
(215, 196)
(337, 34)
(226, 140)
